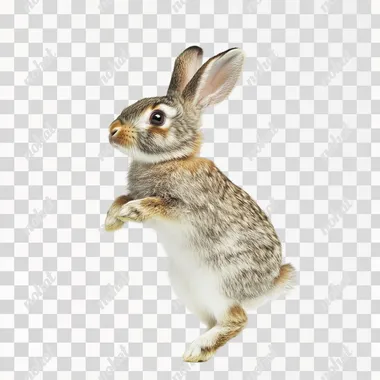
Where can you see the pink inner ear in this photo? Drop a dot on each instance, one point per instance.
(220, 79)
(192, 69)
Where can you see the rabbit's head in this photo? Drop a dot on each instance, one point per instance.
(164, 128)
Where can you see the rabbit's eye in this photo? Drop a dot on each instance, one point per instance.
(157, 118)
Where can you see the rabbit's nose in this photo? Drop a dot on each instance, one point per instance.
(114, 128)
(115, 131)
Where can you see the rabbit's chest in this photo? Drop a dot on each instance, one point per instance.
(144, 182)
(143, 187)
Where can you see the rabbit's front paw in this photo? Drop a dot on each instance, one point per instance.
(132, 211)
(112, 223)
(124, 209)
(143, 209)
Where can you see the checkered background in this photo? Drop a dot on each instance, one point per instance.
(302, 138)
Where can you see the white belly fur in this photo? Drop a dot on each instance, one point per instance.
(196, 285)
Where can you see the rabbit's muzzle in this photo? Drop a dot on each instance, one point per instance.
(121, 134)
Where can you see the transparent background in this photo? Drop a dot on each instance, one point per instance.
(300, 133)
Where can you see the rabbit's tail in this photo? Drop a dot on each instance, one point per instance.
(283, 283)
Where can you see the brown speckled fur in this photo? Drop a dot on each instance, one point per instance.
(168, 181)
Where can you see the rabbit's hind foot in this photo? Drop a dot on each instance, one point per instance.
(229, 325)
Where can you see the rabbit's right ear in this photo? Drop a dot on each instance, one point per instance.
(186, 65)
(215, 79)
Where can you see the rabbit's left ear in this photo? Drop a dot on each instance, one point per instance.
(186, 65)
(214, 81)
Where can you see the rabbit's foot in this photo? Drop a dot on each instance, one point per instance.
(200, 350)
(142, 209)
(203, 348)
(112, 223)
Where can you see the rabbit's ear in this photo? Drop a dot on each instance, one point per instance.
(186, 65)
(214, 81)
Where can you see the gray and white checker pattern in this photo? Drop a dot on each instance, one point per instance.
(300, 133)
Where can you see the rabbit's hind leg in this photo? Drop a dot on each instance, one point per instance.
(232, 321)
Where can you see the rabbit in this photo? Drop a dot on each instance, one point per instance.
(224, 254)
